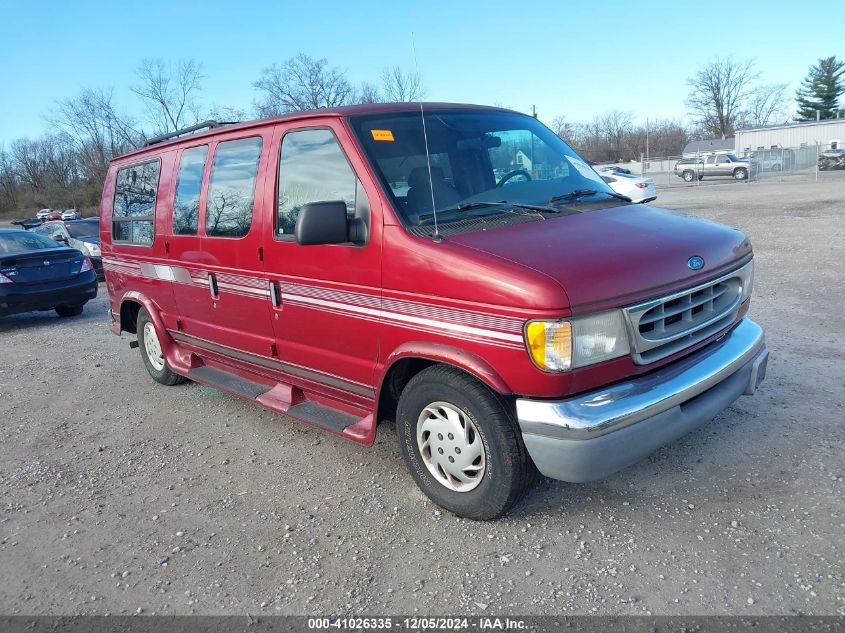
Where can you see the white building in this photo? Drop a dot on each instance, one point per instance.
(826, 134)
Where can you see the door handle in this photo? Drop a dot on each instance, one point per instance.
(212, 285)
(275, 295)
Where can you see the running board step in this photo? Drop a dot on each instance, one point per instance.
(307, 411)
(227, 382)
(320, 415)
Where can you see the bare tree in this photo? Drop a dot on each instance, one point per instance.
(766, 103)
(99, 131)
(718, 92)
(565, 130)
(617, 126)
(369, 93)
(9, 187)
(31, 159)
(660, 137)
(170, 93)
(301, 83)
(227, 114)
(62, 163)
(399, 85)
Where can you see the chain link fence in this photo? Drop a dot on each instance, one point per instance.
(807, 163)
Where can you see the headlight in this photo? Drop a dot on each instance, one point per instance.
(93, 249)
(747, 280)
(562, 345)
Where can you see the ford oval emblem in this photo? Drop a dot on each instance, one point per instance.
(695, 262)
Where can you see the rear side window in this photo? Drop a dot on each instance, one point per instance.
(312, 168)
(186, 204)
(231, 188)
(133, 211)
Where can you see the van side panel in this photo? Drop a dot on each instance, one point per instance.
(327, 320)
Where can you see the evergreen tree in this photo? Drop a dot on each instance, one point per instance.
(821, 89)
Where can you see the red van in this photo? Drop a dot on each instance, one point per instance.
(455, 269)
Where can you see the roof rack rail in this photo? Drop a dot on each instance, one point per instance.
(205, 125)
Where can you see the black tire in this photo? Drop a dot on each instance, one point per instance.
(688, 176)
(741, 174)
(69, 311)
(509, 470)
(162, 375)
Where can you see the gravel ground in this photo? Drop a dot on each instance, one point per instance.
(122, 496)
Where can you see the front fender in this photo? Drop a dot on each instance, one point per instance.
(449, 355)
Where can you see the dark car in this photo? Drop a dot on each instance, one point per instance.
(27, 223)
(38, 274)
(613, 169)
(83, 235)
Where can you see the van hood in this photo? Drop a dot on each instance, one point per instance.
(616, 256)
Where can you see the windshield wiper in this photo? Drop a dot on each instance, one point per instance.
(480, 204)
(583, 193)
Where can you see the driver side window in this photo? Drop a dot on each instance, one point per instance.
(313, 168)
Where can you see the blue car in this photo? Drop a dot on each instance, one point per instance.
(36, 273)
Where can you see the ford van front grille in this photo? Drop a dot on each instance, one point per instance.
(667, 325)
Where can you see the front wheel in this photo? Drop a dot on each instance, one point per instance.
(740, 174)
(461, 443)
(152, 353)
(688, 176)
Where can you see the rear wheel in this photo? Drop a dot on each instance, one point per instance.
(152, 353)
(69, 311)
(688, 176)
(741, 173)
(461, 444)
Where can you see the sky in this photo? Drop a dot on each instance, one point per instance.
(571, 59)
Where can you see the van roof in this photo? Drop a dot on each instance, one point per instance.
(342, 111)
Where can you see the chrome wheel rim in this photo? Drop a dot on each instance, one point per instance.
(451, 447)
(153, 347)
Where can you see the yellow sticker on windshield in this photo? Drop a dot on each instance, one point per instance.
(382, 135)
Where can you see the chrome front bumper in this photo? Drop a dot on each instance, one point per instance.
(595, 434)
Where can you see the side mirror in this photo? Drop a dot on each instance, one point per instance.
(327, 223)
(61, 238)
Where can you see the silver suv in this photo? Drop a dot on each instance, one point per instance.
(715, 165)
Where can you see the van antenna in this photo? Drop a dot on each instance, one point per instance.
(436, 237)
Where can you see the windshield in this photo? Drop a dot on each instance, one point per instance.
(18, 241)
(476, 157)
(83, 229)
